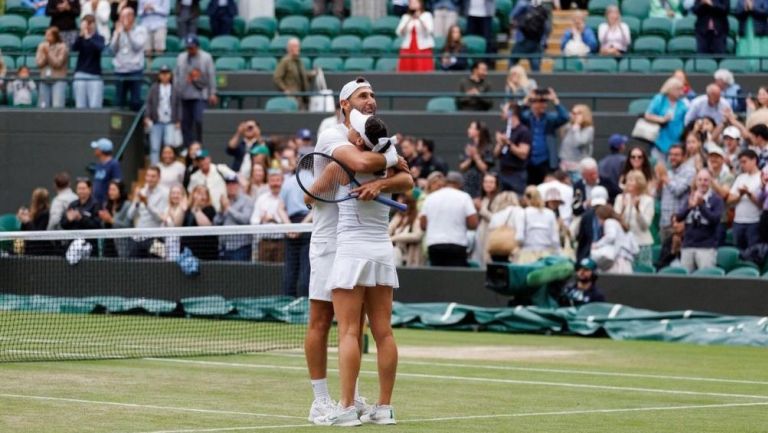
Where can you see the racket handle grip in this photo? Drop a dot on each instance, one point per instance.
(391, 203)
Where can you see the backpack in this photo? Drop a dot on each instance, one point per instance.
(534, 22)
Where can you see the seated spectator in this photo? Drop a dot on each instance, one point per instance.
(538, 233)
(290, 76)
(543, 126)
(668, 109)
(616, 249)
(188, 13)
(711, 25)
(171, 170)
(560, 181)
(674, 183)
(247, 135)
(153, 15)
(222, 14)
(174, 217)
(88, 85)
(758, 102)
(518, 86)
(64, 196)
(163, 115)
(483, 203)
(590, 178)
(196, 79)
(446, 215)
(611, 166)
(305, 143)
(533, 23)
(427, 162)
(406, 234)
(666, 9)
(454, 56)
(506, 213)
(128, 42)
(722, 179)
(116, 215)
(513, 150)
(83, 213)
(22, 89)
(637, 209)
(320, 7)
(477, 159)
(474, 87)
(200, 214)
(731, 91)
(64, 15)
(577, 141)
(52, 58)
(583, 290)
(638, 160)
(37, 6)
(270, 209)
(212, 176)
(614, 35)
(744, 194)
(579, 40)
(446, 16)
(701, 213)
(36, 218)
(588, 229)
(236, 209)
(417, 30)
(107, 168)
(101, 11)
(147, 209)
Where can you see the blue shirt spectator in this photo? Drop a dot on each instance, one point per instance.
(107, 169)
(710, 105)
(579, 40)
(668, 110)
(543, 126)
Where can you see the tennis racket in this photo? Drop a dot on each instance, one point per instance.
(326, 179)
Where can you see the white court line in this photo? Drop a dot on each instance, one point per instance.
(478, 379)
(258, 427)
(552, 370)
(145, 406)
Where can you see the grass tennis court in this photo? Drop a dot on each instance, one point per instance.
(448, 381)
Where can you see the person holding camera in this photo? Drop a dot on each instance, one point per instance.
(543, 126)
(701, 213)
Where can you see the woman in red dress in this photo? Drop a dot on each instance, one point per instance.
(416, 28)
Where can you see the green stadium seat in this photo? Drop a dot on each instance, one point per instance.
(441, 105)
(277, 45)
(396, 43)
(637, 107)
(568, 64)
(733, 29)
(307, 62)
(263, 64)
(10, 64)
(439, 44)
(635, 64)
(325, 25)
(38, 25)
(744, 273)
(682, 45)
(597, 7)
(172, 44)
(346, 45)
(253, 44)
(666, 65)
(634, 25)
(474, 44)
(29, 43)
(707, 66)
(295, 25)
(593, 22)
(334, 64)
(503, 8)
(264, 26)
(16, 7)
(284, 8)
(106, 65)
(386, 25)
(173, 25)
(649, 45)
(204, 25)
(72, 64)
(709, 272)
(673, 270)
(727, 258)
(655, 253)
(29, 61)
(205, 42)
(110, 95)
(737, 66)
(359, 26)
(239, 26)
(386, 64)
(635, 8)
(15, 24)
(10, 43)
(656, 26)
(685, 26)
(600, 64)
(377, 45)
(746, 264)
(643, 268)
(359, 64)
(158, 62)
(225, 45)
(230, 63)
(282, 104)
(314, 45)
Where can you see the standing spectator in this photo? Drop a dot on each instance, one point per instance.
(174, 217)
(290, 75)
(543, 126)
(406, 233)
(416, 28)
(446, 16)
(759, 102)
(163, 114)
(532, 26)
(148, 208)
(83, 212)
(427, 162)
(446, 215)
(188, 11)
(257, 185)
(745, 195)
(196, 82)
(702, 213)
(321, 7)
(473, 87)
(610, 166)
(52, 58)
(518, 86)
(579, 40)
(711, 25)
(614, 35)
(153, 15)
(483, 204)
(620, 244)
(128, 42)
(538, 234)
(477, 159)
(236, 209)
(200, 214)
(584, 290)
(372, 9)
(100, 10)
(672, 247)
(668, 110)
(64, 196)
(758, 141)
(638, 160)
(454, 56)
(590, 179)
(120, 5)
(637, 208)
(506, 213)
(171, 170)
(107, 168)
(670, 9)
(588, 229)
(578, 136)
(63, 15)
(722, 179)
(115, 215)
(22, 89)
(190, 162)
(513, 149)
(674, 183)
(222, 14)
(730, 90)
(212, 176)
(88, 85)
(245, 138)
(270, 209)
(399, 7)
(296, 270)
(711, 105)
(560, 181)
(480, 15)
(36, 218)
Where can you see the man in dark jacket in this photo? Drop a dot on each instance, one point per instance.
(474, 87)
(163, 115)
(702, 213)
(590, 179)
(187, 18)
(222, 17)
(543, 126)
(583, 290)
(63, 14)
(589, 226)
(711, 25)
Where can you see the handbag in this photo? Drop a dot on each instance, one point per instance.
(172, 135)
(646, 131)
(502, 241)
(604, 256)
(324, 102)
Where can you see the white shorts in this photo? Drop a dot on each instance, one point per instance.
(156, 39)
(363, 264)
(321, 256)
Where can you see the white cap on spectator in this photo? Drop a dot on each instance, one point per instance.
(732, 132)
(350, 88)
(599, 196)
(716, 150)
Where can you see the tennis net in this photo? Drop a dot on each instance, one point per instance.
(127, 293)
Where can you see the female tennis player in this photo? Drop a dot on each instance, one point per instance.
(364, 276)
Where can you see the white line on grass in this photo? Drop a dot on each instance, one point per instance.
(258, 427)
(145, 406)
(476, 379)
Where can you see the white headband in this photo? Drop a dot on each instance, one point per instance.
(357, 121)
(351, 88)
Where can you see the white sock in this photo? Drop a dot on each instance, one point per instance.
(357, 389)
(320, 388)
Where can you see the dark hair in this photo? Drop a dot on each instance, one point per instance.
(677, 146)
(646, 168)
(606, 212)
(22, 68)
(89, 18)
(452, 45)
(748, 153)
(515, 110)
(476, 65)
(375, 128)
(56, 34)
(561, 175)
(114, 206)
(84, 180)
(485, 134)
(760, 130)
(429, 144)
(61, 180)
(154, 168)
(498, 185)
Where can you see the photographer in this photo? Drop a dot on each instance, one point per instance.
(701, 213)
(513, 148)
(543, 126)
(196, 82)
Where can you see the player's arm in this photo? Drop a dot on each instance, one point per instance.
(364, 162)
(400, 181)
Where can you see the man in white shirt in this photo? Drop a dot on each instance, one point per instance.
(745, 195)
(270, 209)
(446, 216)
(212, 176)
(147, 209)
(708, 105)
(60, 203)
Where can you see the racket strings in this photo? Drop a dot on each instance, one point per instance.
(323, 178)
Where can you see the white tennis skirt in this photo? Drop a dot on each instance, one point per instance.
(363, 264)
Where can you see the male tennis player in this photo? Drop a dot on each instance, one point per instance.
(357, 94)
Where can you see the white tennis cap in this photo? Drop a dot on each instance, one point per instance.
(351, 87)
(732, 132)
(357, 122)
(599, 196)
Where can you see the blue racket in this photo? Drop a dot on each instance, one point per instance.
(326, 179)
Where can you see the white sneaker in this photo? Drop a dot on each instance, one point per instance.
(362, 406)
(321, 407)
(379, 414)
(340, 417)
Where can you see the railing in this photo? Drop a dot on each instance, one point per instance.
(127, 138)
